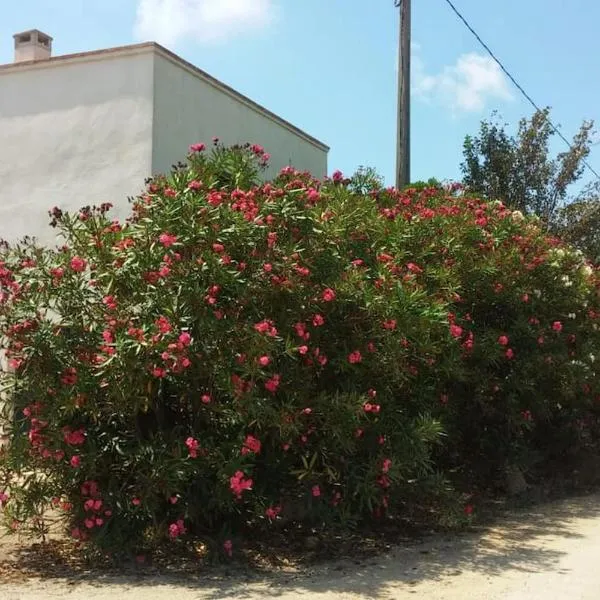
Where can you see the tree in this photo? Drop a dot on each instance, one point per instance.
(519, 170)
(579, 222)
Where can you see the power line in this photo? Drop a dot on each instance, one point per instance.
(516, 84)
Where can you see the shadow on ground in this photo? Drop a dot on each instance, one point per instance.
(520, 541)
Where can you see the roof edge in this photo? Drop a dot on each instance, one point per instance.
(175, 58)
(239, 96)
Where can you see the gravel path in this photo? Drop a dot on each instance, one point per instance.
(547, 553)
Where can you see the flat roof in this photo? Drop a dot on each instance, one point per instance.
(161, 50)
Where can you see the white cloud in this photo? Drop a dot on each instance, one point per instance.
(203, 21)
(466, 86)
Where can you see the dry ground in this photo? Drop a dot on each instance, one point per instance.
(550, 552)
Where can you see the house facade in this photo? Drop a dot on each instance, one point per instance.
(88, 128)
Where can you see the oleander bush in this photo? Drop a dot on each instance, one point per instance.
(239, 354)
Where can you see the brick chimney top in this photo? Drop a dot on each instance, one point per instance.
(32, 45)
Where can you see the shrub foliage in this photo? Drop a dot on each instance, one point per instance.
(239, 353)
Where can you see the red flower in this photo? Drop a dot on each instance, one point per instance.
(75, 461)
(69, 376)
(557, 326)
(167, 239)
(238, 484)
(456, 331)
(218, 248)
(185, 338)
(163, 324)
(228, 548)
(78, 264)
(328, 295)
(389, 325)
(354, 357)
(318, 320)
(74, 438)
(251, 444)
(272, 512)
(192, 446)
(316, 491)
(264, 361)
(469, 510)
(503, 340)
(267, 327)
(271, 385)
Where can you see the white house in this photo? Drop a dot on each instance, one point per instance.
(82, 129)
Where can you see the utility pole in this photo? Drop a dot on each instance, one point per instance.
(403, 133)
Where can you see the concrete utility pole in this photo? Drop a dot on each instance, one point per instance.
(403, 134)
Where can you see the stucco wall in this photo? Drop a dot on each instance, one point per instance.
(188, 109)
(72, 134)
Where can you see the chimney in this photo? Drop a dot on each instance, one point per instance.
(32, 45)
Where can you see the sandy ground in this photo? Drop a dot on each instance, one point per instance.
(550, 552)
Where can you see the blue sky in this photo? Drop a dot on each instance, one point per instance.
(329, 66)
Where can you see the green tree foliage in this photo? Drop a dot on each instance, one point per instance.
(519, 170)
(579, 222)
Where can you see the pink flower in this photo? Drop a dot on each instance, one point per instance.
(557, 326)
(251, 444)
(271, 385)
(197, 147)
(389, 325)
(75, 461)
(318, 320)
(74, 438)
(78, 264)
(192, 445)
(316, 491)
(167, 239)
(176, 529)
(109, 302)
(173, 500)
(387, 463)
(163, 324)
(354, 357)
(218, 248)
(264, 361)
(238, 483)
(337, 176)
(228, 548)
(136, 501)
(185, 338)
(456, 331)
(214, 198)
(510, 354)
(159, 372)
(302, 350)
(206, 399)
(267, 327)
(503, 340)
(272, 512)
(3, 498)
(328, 295)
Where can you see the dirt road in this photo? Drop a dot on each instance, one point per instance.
(547, 553)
